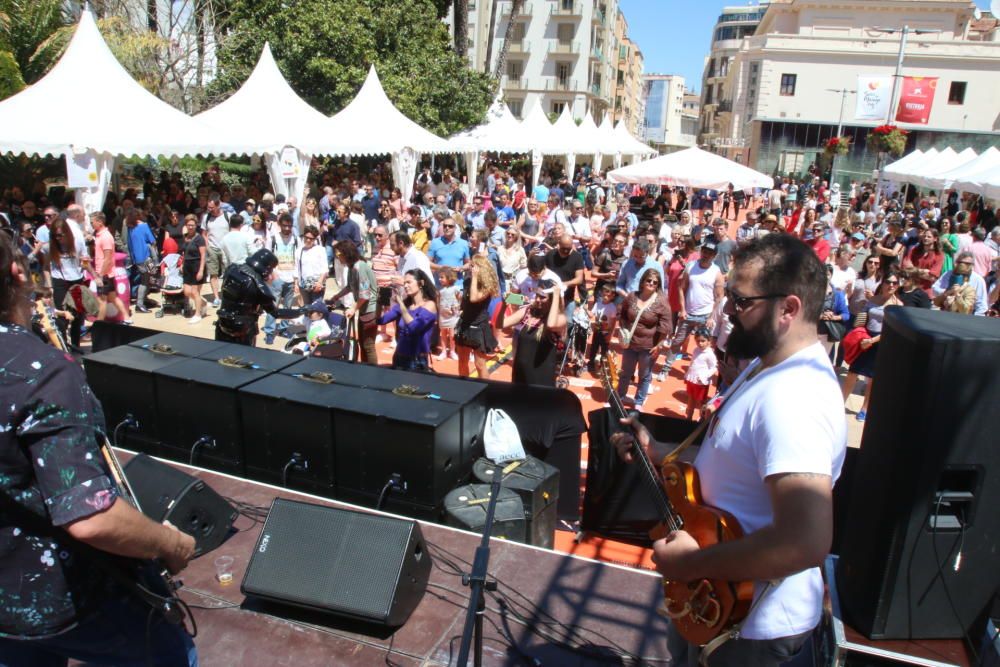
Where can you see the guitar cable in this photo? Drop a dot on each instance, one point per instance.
(970, 645)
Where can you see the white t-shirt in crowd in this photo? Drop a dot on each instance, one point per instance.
(787, 419)
(703, 366)
(700, 297)
(843, 279)
(525, 284)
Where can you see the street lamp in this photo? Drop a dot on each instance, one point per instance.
(840, 128)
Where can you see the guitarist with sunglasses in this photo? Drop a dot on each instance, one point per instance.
(62, 521)
(771, 454)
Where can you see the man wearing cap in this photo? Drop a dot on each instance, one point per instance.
(859, 253)
(815, 239)
(701, 288)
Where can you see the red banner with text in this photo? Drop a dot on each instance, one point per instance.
(916, 99)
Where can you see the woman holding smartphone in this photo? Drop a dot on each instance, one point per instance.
(543, 324)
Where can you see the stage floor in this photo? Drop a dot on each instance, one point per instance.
(607, 608)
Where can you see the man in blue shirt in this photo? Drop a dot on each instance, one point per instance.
(478, 216)
(370, 203)
(449, 249)
(505, 212)
(638, 262)
(540, 193)
(140, 238)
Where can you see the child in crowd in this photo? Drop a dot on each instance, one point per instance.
(449, 299)
(319, 326)
(603, 316)
(700, 373)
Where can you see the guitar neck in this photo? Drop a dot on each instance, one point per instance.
(650, 476)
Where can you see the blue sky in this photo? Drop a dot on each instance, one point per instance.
(675, 35)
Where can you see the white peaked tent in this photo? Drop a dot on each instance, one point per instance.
(899, 169)
(932, 157)
(611, 141)
(986, 183)
(39, 121)
(267, 109)
(927, 171)
(594, 142)
(987, 161)
(501, 133)
(692, 168)
(372, 125)
(537, 131)
(567, 137)
(629, 145)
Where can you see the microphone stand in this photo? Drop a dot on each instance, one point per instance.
(478, 582)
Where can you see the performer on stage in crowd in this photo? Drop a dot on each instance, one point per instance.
(61, 517)
(245, 293)
(770, 457)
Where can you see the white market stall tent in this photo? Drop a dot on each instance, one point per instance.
(500, 133)
(372, 125)
(900, 169)
(985, 183)
(54, 117)
(267, 109)
(692, 168)
(925, 173)
(988, 160)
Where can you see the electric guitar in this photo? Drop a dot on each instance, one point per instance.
(702, 609)
(166, 605)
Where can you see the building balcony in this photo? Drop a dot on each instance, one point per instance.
(517, 46)
(598, 18)
(560, 84)
(514, 82)
(568, 9)
(596, 53)
(725, 106)
(595, 90)
(524, 13)
(572, 48)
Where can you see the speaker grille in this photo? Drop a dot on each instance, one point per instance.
(343, 561)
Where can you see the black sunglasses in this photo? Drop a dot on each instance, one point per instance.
(741, 303)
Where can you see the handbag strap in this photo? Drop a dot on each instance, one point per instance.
(631, 332)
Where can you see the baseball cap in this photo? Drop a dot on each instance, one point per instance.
(858, 236)
(250, 201)
(709, 245)
(318, 306)
(770, 217)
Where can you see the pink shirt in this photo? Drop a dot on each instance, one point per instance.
(983, 256)
(104, 246)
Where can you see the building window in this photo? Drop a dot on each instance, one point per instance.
(562, 73)
(788, 84)
(515, 69)
(956, 94)
(516, 107)
(557, 107)
(565, 32)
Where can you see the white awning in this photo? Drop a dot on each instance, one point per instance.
(692, 168)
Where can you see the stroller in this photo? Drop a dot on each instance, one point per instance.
(339, 344)
(574, 353)
(171, 287)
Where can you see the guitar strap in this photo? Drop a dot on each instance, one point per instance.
(716, 404)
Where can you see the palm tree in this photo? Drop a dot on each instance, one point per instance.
(515, 8)
(461, 27)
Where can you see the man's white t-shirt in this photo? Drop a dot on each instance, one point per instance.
(525, 284)
(788, 419)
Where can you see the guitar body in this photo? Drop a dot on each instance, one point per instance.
(702, 609)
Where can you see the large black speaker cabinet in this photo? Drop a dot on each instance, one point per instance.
(537, 483)
(918, 559)
(470, 396)
(617, 502)
(106, 335)
(466, 506)
(122, 380)
(362, 566)
(178, 344)
(167, 494)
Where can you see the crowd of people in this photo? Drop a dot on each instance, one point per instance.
(443, 275)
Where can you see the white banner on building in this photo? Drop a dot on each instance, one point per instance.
(873, 97)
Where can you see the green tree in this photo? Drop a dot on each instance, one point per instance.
(24, 26)
(325, 47)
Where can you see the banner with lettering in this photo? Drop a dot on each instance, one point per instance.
(916, 99)
(873, 97)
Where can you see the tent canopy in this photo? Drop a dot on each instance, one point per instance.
(898, 169)
(40, 120)
(924, 173)
(988, 160)
(501, 133)
(372, 125)
(629, 145)
(692, 168)
(266, 108)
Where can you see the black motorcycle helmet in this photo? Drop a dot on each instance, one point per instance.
(263, 262)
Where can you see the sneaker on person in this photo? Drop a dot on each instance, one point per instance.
(127, 322)
(195, 319)
(661, 376)
(269, 339)
(453, 355)
(379, 338)
(678, 357)
(442, 356)
(861, 416)
(216, 302)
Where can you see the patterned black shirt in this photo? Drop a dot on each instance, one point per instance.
(50, 466)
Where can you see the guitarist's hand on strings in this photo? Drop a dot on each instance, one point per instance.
(670, 555)
(635, 433)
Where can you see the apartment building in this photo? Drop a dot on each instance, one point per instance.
(562, 53)
(790, 81)
(733, 24)
(664, 114)
(627, 91)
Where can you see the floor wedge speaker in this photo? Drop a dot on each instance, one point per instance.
(366, 567)
(167, 494)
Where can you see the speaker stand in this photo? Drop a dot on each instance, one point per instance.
(478, 582)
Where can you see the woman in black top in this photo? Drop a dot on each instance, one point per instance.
(543, 324)
(474, 333)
